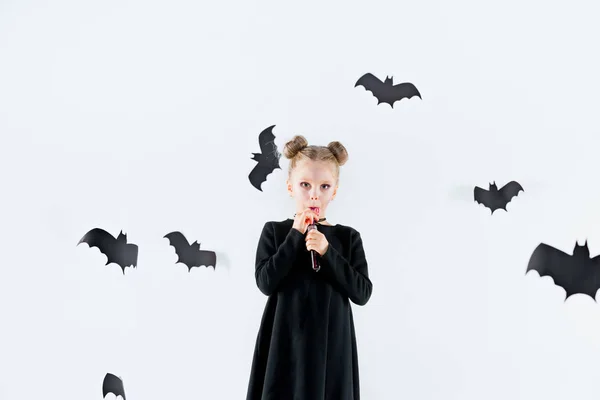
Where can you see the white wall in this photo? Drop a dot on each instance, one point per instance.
(142, 116)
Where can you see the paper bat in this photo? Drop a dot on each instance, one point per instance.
(577, 273)
(387, 92)
(494, 198)
(190, 254)
(116, 250)
(268, 159)
(113, 384)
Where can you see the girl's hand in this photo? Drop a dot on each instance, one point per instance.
(316, 241)
(303, 220)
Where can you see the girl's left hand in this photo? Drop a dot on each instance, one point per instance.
(316, 241)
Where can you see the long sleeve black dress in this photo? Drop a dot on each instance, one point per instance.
(306, 345)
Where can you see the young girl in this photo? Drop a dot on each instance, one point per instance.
(306, 345)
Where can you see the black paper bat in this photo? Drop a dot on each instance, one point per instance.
(494, 198)
(387, 92)
(190, 254)
(113, 384)
(116, 250)
(268, 159)
(577, 273)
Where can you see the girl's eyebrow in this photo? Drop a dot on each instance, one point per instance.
(326, 181)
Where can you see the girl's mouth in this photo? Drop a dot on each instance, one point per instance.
(315, 210)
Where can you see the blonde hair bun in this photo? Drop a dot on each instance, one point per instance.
(294, 146)
(339, 152)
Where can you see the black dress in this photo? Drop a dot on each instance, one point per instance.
(306, 345)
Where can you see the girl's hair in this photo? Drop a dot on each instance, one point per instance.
(298, 149)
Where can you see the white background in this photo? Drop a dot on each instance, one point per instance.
(142, 116)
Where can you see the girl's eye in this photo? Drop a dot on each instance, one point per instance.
(325, 186)
(304, 184)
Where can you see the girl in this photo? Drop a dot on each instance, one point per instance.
(306, 345)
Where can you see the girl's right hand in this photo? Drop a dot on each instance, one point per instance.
(303, 220)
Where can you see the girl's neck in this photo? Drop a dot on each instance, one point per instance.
(323, 221)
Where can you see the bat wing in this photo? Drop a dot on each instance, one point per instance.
(259, 174)
(572, 274)
(510, 190)
(266, 142)
(128, 255)
(268, 160)
(595, 271)
(485, 197)
(179, 242)
(405, 90)
(371, 83)
(480, 195)
(113, 384)
(98, 238)
(206, 258)
(115, 252)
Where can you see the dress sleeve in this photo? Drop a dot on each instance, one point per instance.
(351, 278)
(273, 263)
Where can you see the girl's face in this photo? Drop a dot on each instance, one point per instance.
(312, 184)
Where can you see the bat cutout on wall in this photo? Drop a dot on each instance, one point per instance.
(268, 158)
(495, 198)
(116, 250)
(387, 92)
(577, 273)
(190, 254)
(113, 384)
